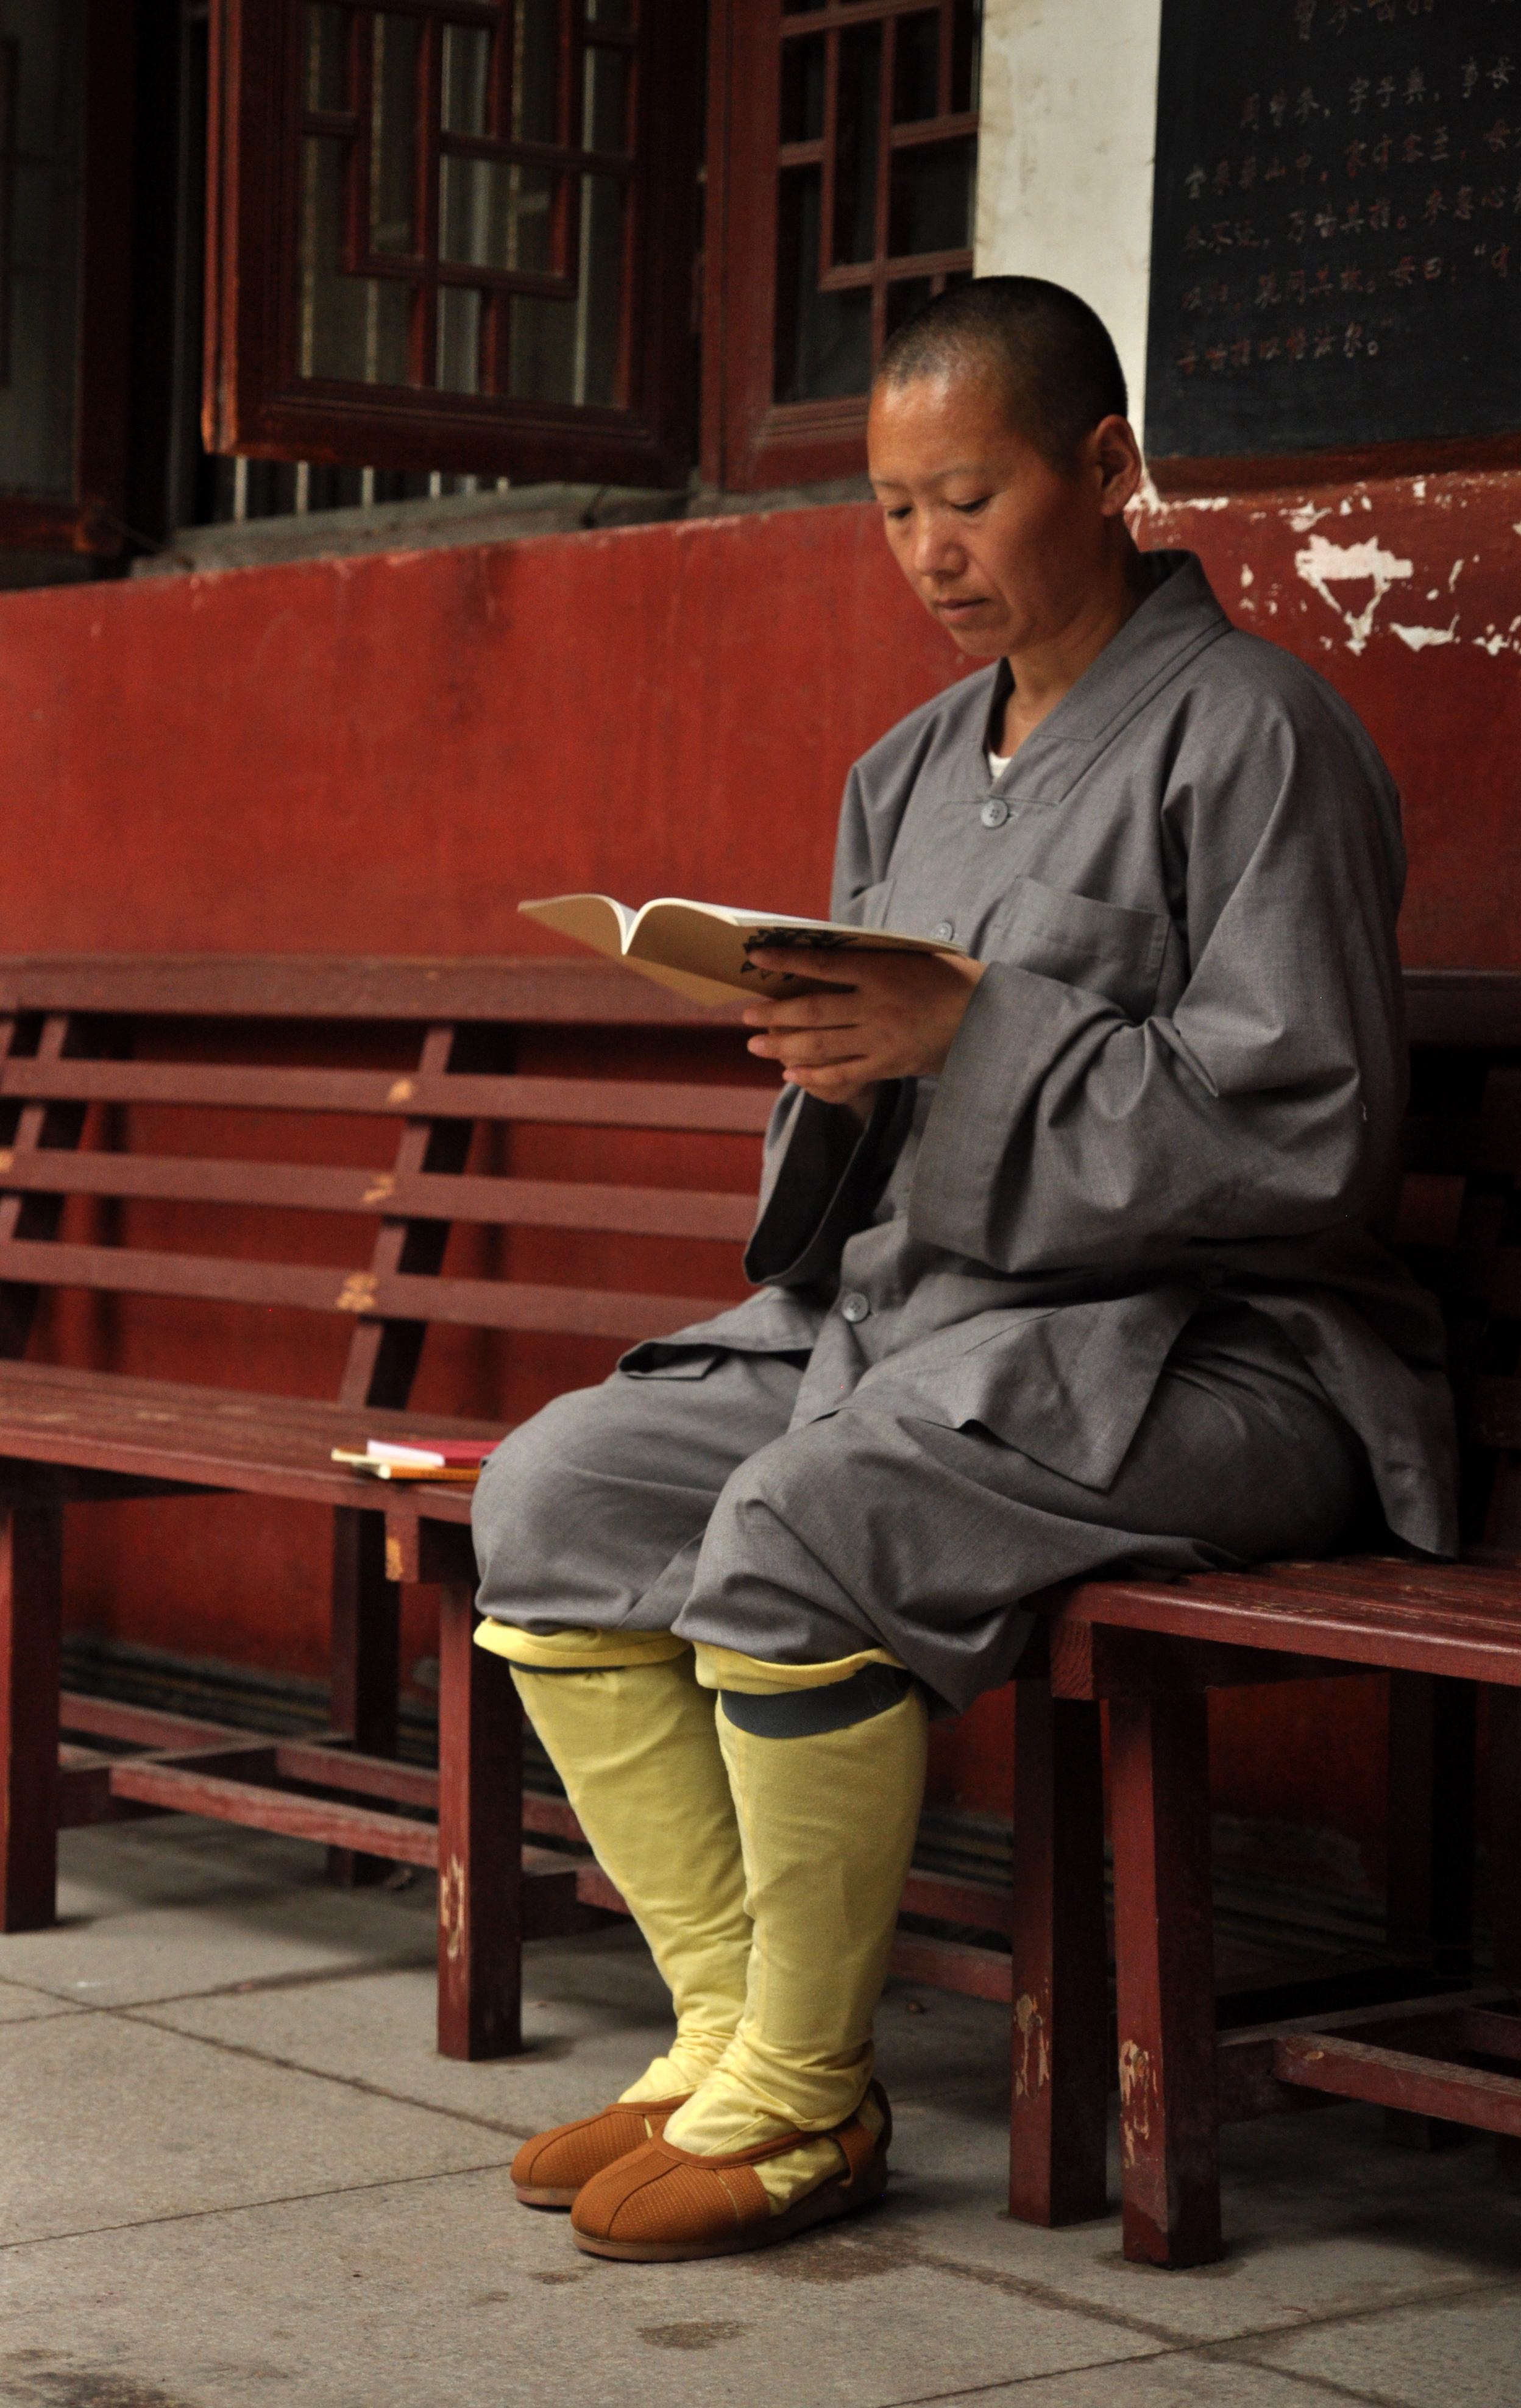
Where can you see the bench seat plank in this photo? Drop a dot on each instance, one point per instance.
(1471, 1629)
(210, 1438)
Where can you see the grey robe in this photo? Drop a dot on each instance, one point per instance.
(1183, 1075)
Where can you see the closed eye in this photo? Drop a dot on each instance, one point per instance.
(965, 510)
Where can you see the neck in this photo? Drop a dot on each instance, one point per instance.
(1047, 671)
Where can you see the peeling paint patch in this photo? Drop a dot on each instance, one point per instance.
(1419, 638)
(1200, 502)
(1138, 2096)
(1032, 2061)
(1323, 564)
(1492, 643)
(1304, 516)
(1457, 572)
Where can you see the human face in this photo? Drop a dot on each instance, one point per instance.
(1010, 554)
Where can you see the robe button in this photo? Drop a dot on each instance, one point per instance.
(853, 1306)
(994, 812)
(943, 932)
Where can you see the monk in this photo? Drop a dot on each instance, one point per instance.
(1066, 1261)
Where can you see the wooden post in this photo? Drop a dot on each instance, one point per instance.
(480, 1841)
(366, 1659)
(31, 1604)
(1159, 1791)
(1059, 2098)
(1433, 1845)
(1432, 1821)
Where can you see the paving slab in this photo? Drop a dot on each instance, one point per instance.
(1463, 2351)
(433, 2293)
(155, 1909)
(595, 2013)
(1189, 2382)
(109, 2122)
(19, 2004)
(1322, 2218)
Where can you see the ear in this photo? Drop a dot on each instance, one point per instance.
(1116, 455)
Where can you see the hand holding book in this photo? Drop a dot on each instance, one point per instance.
(876, 1016)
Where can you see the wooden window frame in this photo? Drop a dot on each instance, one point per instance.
(255, 403)
(90, 521)
(750, 442)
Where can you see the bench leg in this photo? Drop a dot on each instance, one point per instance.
(31, 1606)
(1059, 2099)
(365, 1662)
(480, 1841)
(1159, 1790)
(1432, 1753)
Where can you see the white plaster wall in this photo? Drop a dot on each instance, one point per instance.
(1064, 181)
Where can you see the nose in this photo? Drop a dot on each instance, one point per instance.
(937, 549)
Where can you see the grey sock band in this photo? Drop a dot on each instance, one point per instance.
(804, 1714)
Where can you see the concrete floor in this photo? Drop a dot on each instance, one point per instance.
(232, 2174)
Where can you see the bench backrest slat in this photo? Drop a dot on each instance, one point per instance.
(475, 1304)
(597, 1103)
(310, 1187)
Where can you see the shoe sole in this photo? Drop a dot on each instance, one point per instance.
(531, 2195)
(831, 2200)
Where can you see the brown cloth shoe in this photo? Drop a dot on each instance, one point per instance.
(551, 2169)
(662, 2202)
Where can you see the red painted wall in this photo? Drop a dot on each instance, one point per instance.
(384, 756)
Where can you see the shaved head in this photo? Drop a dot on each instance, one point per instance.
(1049, 355)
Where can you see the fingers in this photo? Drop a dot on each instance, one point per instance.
(806, 1049)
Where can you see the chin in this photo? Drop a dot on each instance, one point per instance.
(978, 643)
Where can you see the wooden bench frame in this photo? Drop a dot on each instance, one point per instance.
(73, 1436)
(1147, 1651)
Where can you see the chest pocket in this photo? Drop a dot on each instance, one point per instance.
(1102, 947)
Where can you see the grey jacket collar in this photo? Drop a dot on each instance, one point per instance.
(1176, 623)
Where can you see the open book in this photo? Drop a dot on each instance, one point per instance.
(702, 949)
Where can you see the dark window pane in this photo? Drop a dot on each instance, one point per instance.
(605, 100)
(568, 350)
(536, 52)
(822, 339)
(796, 8)
(42, 92)
(916, 69)
(459, 339)
(855, 168)
(354, 327)
(394, 132)
(466, 65)
(905, 298)
(930, 200)
(495, 215)
(967, 55)
(609, 12)
(327, 81)
(802, 90)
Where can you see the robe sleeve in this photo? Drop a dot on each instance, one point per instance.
(1266, 1104)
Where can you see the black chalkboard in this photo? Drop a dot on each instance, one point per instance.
(1336, 242)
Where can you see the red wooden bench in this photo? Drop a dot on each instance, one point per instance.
(379, 1149)
(1153, 1650)
(1148, 1653)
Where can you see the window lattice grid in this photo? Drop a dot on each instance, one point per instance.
(464, 210)
(876, 182)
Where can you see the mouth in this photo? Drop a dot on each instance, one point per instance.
(958, 606)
